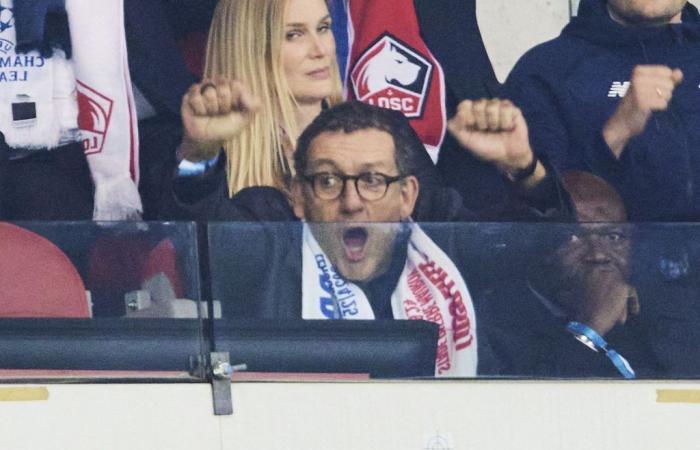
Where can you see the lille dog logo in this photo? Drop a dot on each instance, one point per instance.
(392, 75)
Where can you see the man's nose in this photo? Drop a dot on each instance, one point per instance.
(350, 201)
(597, 250)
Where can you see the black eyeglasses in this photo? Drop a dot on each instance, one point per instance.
(370, 186)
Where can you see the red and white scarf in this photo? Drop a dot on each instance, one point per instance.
(107, 114)
(430, 288)
(390, 65)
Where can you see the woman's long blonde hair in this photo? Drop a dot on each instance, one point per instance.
(245, 44)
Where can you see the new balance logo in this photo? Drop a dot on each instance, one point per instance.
(619, 89)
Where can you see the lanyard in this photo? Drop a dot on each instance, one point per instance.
(594, 341)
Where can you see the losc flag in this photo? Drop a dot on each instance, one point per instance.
(389, 65)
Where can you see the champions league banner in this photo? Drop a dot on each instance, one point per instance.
(386, 63)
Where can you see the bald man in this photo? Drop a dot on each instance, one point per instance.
(574, 313)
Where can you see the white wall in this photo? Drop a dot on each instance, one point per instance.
(511, 27)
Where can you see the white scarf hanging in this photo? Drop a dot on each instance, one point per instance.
(107, 116)
(47, 84)
(430, 288)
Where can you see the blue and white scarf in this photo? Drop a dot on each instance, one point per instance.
(430, 288)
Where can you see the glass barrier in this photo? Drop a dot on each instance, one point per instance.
(99, 300)
(501, 300)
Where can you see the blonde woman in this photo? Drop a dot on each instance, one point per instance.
(270, 66)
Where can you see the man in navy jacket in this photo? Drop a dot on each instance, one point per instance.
(618, 94)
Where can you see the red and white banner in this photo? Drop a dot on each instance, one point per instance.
(390, 66)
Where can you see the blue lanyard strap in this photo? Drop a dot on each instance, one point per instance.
(594, 341)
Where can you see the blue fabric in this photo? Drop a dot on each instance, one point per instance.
(41, 25)
(340, 33)
(566, 88)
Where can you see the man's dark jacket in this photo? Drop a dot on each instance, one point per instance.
(530, 341)
(570, 86)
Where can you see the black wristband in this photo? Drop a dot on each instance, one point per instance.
(525, 172)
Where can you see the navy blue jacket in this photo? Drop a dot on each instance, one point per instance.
(570, 86)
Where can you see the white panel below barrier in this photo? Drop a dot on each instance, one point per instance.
(461, 415)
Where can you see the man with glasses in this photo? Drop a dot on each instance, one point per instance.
(573, 312)
(362, 257)
(357, 254)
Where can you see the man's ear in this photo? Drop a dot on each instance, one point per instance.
(409, 194)
(298, 198)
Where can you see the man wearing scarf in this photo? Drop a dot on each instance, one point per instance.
(357, 254)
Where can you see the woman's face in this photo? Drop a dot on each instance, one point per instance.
(308, 50)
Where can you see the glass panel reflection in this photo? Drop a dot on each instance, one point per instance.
(509, 300)
(68, 287)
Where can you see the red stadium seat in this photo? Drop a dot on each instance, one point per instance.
(37, 279)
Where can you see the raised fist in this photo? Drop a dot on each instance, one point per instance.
(651, 89)
(213, 112)
(493, 131)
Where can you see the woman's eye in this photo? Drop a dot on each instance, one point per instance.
(291, 35)
(323, 28)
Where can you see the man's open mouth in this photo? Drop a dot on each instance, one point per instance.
(354, 240)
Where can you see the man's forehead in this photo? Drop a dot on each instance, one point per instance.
(600, 210)
(600, 228)
(358, 149)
